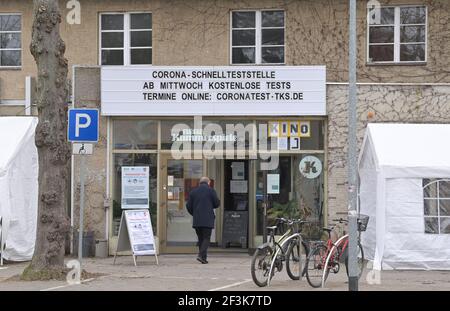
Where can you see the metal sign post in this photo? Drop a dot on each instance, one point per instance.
(80, 231)
(264, 205)
(83, 129)
(352, 150)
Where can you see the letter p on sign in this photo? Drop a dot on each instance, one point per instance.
(79, 124)
(83, 125)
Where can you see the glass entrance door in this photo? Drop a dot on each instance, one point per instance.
(236, 204)
(179, 177)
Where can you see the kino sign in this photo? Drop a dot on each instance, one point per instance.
(232, 90)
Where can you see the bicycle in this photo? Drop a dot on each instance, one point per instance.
(269, 257)
(329, 254)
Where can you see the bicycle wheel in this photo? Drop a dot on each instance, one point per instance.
(292, 259)
(261, 266)
(360, 261)
(315, 265)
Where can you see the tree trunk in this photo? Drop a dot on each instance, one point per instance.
(48, 50)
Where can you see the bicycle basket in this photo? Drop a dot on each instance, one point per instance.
(363, 220)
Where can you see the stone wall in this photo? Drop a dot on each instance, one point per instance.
(13, 110)
(87, 95)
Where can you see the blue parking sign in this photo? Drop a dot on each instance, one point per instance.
(83, 125)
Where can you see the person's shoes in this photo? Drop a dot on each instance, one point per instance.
(203, 261)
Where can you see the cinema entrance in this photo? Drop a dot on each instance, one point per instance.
(299, 188)
(178, 178)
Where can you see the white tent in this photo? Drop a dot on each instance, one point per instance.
(396, 162)
(18, 187)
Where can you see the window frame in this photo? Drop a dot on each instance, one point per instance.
(258, 37)
(397, 37)
(438, 199)
(14, 49)
(126, 38)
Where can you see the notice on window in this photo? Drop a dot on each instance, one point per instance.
(273, 183)
(282, 143)
(238, 170)
(135, 187)
(238, 186)
(170, 180)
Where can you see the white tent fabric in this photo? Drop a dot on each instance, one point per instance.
(394, 160)
(18, 187)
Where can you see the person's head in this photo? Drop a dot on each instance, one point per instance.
(204, 180)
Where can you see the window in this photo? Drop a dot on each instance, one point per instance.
(126, 39)
(135, 143)
(135, 134)
(399, 36)
(135, 159)
(10, 40)
(299, 196)
(257, 37)
(436, 195)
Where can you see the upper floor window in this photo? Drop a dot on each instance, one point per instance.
(257, 37)
(126, 39)
(399, 35)
(437, 205)
(10, 40)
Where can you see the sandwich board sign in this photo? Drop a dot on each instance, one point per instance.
(135, 231)
(136, 234)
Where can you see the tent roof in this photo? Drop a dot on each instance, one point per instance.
(410, 150)
(13, 132)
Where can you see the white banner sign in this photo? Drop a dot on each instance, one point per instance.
(232, 90)
(135, 187)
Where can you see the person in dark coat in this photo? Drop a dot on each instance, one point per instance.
(201, 204)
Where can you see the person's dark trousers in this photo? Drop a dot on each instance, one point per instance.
(204, 237)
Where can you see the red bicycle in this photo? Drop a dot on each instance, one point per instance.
(327, 256)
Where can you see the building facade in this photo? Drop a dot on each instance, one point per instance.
(403, 76)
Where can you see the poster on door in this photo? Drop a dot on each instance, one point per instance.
(273, 183)
(135, 187)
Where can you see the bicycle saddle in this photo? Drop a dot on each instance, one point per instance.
(327, 229)
(272, 228)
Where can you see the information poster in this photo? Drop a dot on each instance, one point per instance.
(211, 90)
(273, 183)
(135, 187)
(238, 170)
(140, 232)
(238, 186)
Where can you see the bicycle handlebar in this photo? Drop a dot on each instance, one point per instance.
(341, 220)
(281, 220)
(291, 221)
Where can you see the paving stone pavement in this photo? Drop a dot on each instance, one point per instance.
(225, 272)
